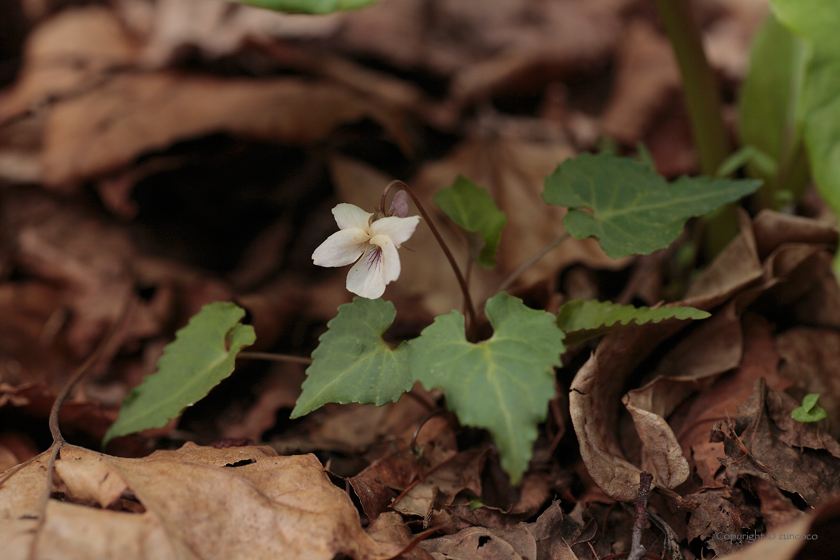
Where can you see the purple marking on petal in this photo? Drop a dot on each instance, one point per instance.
(374, 258)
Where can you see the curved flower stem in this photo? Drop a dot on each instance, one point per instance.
(530, 262)
(272, 357)
(471, 317)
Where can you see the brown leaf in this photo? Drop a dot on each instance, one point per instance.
(738, 273)
(197, 502)
(594, 395)
(694, 423)
(754, 446)
(776, 509)
(647, 75)
(478, 543)
(389, 530)
(811, 358)
(137, 113)
(439, 487)
(718, 515)
(67, 55)
(811, 536)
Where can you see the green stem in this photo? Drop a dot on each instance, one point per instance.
(529, 263)
(701, 91)
(702, 98)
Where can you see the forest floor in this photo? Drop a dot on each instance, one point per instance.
(159, 156)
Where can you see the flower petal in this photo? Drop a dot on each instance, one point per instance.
(398, 229)
(351, 216)
(389, 258)
(365, 278)
(341, 248)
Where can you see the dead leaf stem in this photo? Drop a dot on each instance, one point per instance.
(55, 430)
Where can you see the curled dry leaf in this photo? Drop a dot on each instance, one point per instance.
(718, 402)
(740, 271)
(196, 502)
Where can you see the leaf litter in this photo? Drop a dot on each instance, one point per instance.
(502, 104)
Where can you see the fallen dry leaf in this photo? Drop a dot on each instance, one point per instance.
(810, 536)
(134, 114)
(738, 271)
(811, 357)
(755, 445)
(646, 77)
(694, 424)
(196, 502)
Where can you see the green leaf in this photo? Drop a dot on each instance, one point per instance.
(502, 384)
(769, 116)
(749, 155)
(352, 363)
(471, 207)
(817, 21)
(582, 320)
(202, 355)
(309, 6)
(633, 210)
(810, 411)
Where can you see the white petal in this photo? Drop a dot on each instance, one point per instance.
(398, 229)
(389, 259)
(341, 248)
(365, 278)
(351, 216)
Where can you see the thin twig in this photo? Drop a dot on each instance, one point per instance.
(55, 431)
(637, 551)
(271, 356)
(530, 262)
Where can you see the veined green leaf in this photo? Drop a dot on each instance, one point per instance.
(352, 363)
(471, 207)
(582, 320)
(502, 384)
(633, 210)
(202, 355)
(309, 6)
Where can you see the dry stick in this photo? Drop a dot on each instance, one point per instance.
(271, 356)
(529, 263)
(55, 431)
(461, 281)
(637, 551)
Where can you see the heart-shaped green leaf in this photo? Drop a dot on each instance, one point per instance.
(502, 384)
(633, 210)
(352, 363)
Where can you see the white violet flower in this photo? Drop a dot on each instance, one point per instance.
(375, 241)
